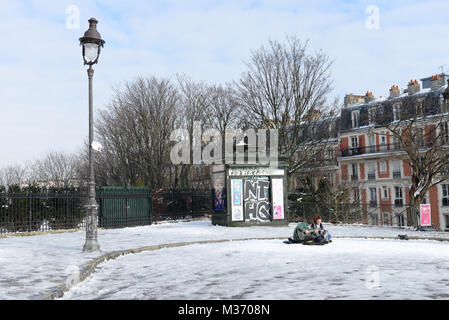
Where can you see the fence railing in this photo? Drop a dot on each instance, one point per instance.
(371, 213)
(34, 209)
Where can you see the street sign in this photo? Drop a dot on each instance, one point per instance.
(96, 146)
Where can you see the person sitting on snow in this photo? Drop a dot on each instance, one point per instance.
(318, 229)
(302, 233)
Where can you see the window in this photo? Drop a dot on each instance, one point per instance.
(354, 146)
(444, 133)
(384, 193)
(356, 195)
(383, 141)
(373, 197)
(354, 142)
(386, 219)
(383, 167)
(396, 169)
(331, 128)
(371, 143)
(419, 108)
(372, 116)
(446, 222)
(330, 156)
(371, 171)
(397, 111)
(418, 135)
(445, 194)
(398, 199)
(396, 142)
(400, 220)
(355, 115)
(355, 175)
(444, 104)
(374, 219)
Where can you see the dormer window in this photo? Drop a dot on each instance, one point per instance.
(372, 116)
(419, 108)
(444, 104)
(331, 128)
(444, 133)
(397, 112)
(355, 115)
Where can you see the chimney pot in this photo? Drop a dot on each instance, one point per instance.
(436, 82)
(394, 91)
(413, 87)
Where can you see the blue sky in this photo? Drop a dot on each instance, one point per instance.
(44, 83)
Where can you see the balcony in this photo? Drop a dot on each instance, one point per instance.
(373, 204)
(371, 176)
(396, 174)
(382, 148)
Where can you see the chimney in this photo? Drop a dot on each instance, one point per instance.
(436, 82)
(413, 87)
(369, 96)
(394, 92)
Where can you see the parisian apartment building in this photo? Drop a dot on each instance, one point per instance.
(369, 161)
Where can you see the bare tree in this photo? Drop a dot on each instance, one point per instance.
(135, 132)
(57, 169)
(284, 88)
(14, 175)
(194, 108)
(223, 110)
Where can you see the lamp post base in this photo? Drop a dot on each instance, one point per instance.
(91, 245)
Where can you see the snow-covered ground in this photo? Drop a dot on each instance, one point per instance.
(31, 265)
(268, 269)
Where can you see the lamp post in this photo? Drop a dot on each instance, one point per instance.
(92, 44)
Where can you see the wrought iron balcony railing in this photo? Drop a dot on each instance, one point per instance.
(381, 148)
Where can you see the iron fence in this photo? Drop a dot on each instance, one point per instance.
(34, 209)
(373, 214)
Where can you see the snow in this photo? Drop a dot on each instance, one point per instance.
(347, 269)
(31, 265)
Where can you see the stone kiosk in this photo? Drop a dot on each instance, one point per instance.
(249, 194)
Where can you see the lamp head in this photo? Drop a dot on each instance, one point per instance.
(91, 43)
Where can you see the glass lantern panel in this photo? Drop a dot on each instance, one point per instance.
(90, 51)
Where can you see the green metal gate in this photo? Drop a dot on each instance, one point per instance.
(124, 206)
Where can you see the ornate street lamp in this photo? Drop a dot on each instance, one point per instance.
(92, 44)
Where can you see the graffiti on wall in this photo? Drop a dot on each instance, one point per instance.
(256, 199)
(219, 192)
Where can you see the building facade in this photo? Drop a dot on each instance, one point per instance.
(370, 161)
